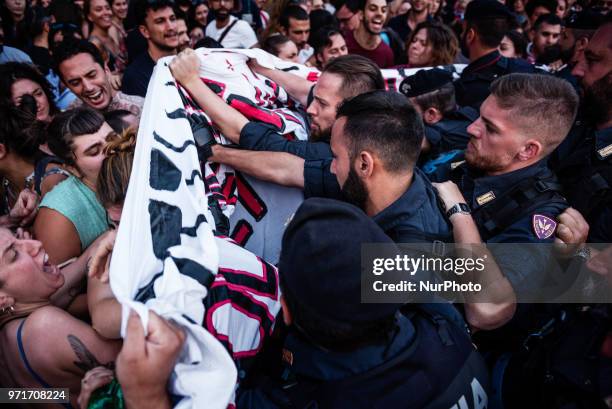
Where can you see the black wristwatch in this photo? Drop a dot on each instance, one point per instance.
(458, 208)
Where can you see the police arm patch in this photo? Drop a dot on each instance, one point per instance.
(543, 226)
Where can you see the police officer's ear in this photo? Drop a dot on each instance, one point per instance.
(581, 45)
(287, 319)
(530, 150)
(432, 116)
(470, 35)
(3, 151)
(364, 164)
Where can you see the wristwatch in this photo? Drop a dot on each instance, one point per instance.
(458, 208)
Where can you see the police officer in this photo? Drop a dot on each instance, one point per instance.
(513, 196)
(432, 93)
(578, 28)
(341, 353)
(584, 162)
(486, 23)
(375, 142)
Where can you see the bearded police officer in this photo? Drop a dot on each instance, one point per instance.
(486, 23)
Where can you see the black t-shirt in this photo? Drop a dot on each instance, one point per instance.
(137, 75)
(41, 57)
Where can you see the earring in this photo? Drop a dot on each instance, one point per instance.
(10, 309)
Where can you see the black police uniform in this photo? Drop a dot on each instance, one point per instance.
(503, 207)
(472, 88)
(258, 136)
(422, 366)
(583, 163)
(415, 216)
(451, 131)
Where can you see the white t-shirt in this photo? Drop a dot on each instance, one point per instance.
(240, 36)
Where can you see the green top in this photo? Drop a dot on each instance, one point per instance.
(78, 203)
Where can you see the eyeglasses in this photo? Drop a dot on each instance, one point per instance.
(346, 19)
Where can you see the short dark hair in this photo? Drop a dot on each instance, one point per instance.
(69, 48)
(384, 122)
(443, 99)
(550, 19)
(321, 18)
(352, 5)
(321, 38)
(143, 7)
(273, 43)
(532, 97)
(519, 41)
(359, 74)
(491, 30)
(550, 5)
(11, 72)
(20, 132)
(67, 126)
(115, 119)
(180, 15)
(295, 12)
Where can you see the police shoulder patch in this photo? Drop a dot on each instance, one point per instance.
(543, 226)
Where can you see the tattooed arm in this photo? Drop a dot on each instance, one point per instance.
(61, 348)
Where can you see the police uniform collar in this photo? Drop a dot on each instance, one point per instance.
(405, 206)
(497, 185)
(483, 62)
(304, 359)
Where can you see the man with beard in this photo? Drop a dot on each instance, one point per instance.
(584, 162)
(181, 31)
(486, 23)
(375, 174)
(343, 77)
(82, 69)
(504, 191)
(347, 15)
(294, 24)
(405, 23)
(227, 29)
(157, 23)
(575, 36)
(546, 36)
(366, 40)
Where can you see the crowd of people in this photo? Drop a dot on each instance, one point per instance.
(504, 137)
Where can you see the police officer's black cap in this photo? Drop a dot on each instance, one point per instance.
(584, 20)
(479, 9)
(320, 262)
(425, 81)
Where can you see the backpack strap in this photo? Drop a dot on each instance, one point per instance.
(227, 30)
(41, 172)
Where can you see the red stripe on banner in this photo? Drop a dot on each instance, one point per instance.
(313, 76)
(253, 112)
(250, 199)
(242, 232)
(216, 86)
(229, 188)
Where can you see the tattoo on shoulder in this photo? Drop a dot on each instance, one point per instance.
(85, 359)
